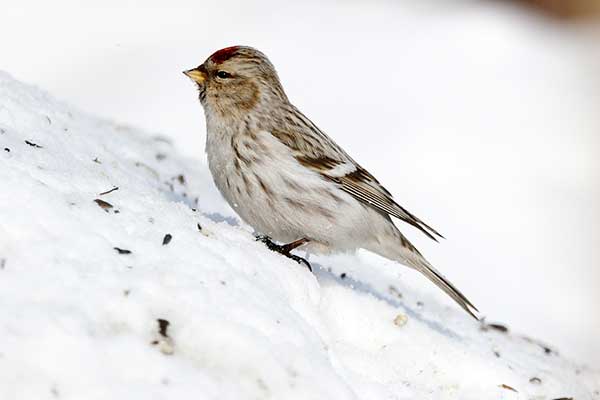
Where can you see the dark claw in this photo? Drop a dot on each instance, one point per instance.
(300, 260)
(282, 250)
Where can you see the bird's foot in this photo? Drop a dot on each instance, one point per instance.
(285, 249)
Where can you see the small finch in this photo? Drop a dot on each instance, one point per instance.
(289, 180)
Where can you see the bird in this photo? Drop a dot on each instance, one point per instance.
(290, 181)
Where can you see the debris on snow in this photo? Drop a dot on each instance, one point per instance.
(105, 205)
(535, 380)
(37, 146)
(122, 251)
(394, 292)
(109, 191)
(504, 386)
(164, 342)
(252, 324)
(400, 320)
(497, 327)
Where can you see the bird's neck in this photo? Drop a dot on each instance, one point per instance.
(229, 121)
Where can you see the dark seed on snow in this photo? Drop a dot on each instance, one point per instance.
(496, 327)
(395, 292)
(343, 275)
(503, 386)
(181, 179)
(103, 204)
(96, 160)
(7, 149)
(33, 144)
(109, 191)
(122, 251)
(535, 380)
(165, 343)
(163, 325)
(199, 227)
(167, 239)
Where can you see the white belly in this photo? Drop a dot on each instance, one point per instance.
(278, 197)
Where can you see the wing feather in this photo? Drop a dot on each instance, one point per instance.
(364, 187)
(316, 151)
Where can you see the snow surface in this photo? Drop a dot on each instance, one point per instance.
(480, 117)
(80, 319)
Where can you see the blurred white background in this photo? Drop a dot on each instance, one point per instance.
(482, 119)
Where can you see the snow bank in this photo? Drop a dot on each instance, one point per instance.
(86, 276)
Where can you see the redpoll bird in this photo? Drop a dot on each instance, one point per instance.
(288, 179)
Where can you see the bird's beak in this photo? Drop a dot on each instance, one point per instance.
(196, 75)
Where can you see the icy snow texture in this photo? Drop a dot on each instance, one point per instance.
(79, 319)
(479, 116)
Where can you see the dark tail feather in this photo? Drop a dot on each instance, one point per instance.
(422, 226)
(399, 248)
(444, 284)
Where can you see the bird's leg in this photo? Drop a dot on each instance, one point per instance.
(286, 248)
(296, 243)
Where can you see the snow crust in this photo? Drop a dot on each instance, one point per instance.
(85, 277)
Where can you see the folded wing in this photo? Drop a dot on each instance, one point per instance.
(359, 183)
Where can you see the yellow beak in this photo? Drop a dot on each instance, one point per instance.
(196, 75)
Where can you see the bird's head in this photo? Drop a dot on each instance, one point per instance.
(236, 80)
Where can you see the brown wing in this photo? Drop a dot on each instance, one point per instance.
(315, 150)
(364, 187)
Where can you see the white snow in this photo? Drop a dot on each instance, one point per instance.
(79, 320)
(480, 117)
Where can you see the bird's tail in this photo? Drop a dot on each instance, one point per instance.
(404, 252)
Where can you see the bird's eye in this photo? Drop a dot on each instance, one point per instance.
(223, 74)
